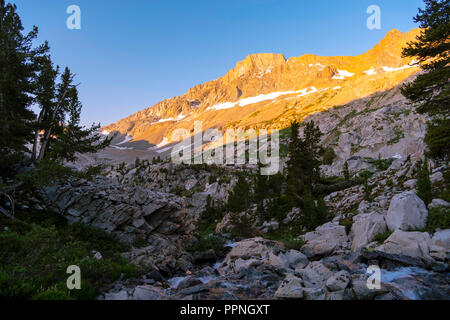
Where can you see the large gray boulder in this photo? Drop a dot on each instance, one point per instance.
(412, 244)
(339, 281)
(250, 252)
(294, 259)
(437, 177)
(254, 248)
(406, 212)
(314, 275)
(290, 288)
(442, 238)
(365, 228)
(325, 240)
(148, 293)
(117, 296)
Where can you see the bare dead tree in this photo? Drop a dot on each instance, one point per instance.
(6, 192)
(48, 132)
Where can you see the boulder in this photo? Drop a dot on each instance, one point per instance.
(437, 177)
(360, 289)
(148, 293)
(315, 293)
(438, 253)
(294, 259)
(187, 283)
(388, 260)
(442, 238)
(241, 265)
(151, 208)
(225, 226)
(406, 212)
(365, 228)
(195, 289)
(410, 184)
(339, 281)
(314, 275)
(191, 183)
(198, 201)
(138, 223)
(412, 244)
(118, 296)
(325, 240)
(254, 248)
(290, 288)
(278, 262)
(438, 203)
(340, 295)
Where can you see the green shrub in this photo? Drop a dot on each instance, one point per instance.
(438, 139)
(140, 242)
(382, 164)
(398, 136)
(34, 258)
(381, 237)
(347, 222)
(287, 236)
(242, 227)
(52, 294)
(12, 287)
(328, 156)
(46, 173)
(424, 188)
(438, 218)
(212, 179)
(364, 175)
(290, 242)
(207, 242)
(91, 171)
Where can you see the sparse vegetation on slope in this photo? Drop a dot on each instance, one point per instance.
(34, 258)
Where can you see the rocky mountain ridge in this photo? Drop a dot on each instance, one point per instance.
(268, 91)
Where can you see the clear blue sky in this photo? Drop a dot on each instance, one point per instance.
(131, 54)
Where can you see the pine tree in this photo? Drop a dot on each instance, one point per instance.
(59, 119)
(311, 153)
(424, 188)
(313, 212)
(261, 186)
(346, 171)
(304, 160)
(18, 71)
(431, 89)
(295, 184)
(239, 198)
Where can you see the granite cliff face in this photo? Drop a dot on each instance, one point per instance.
(269, 91)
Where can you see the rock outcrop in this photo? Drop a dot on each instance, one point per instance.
(413, 244)
(365, 228)
(132, 214)
(406, 212)
(325, 240)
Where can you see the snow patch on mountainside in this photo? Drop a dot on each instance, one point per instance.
(389, 69)
(127, 139)
(262, 97)
(371, 72)
(342, 74)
